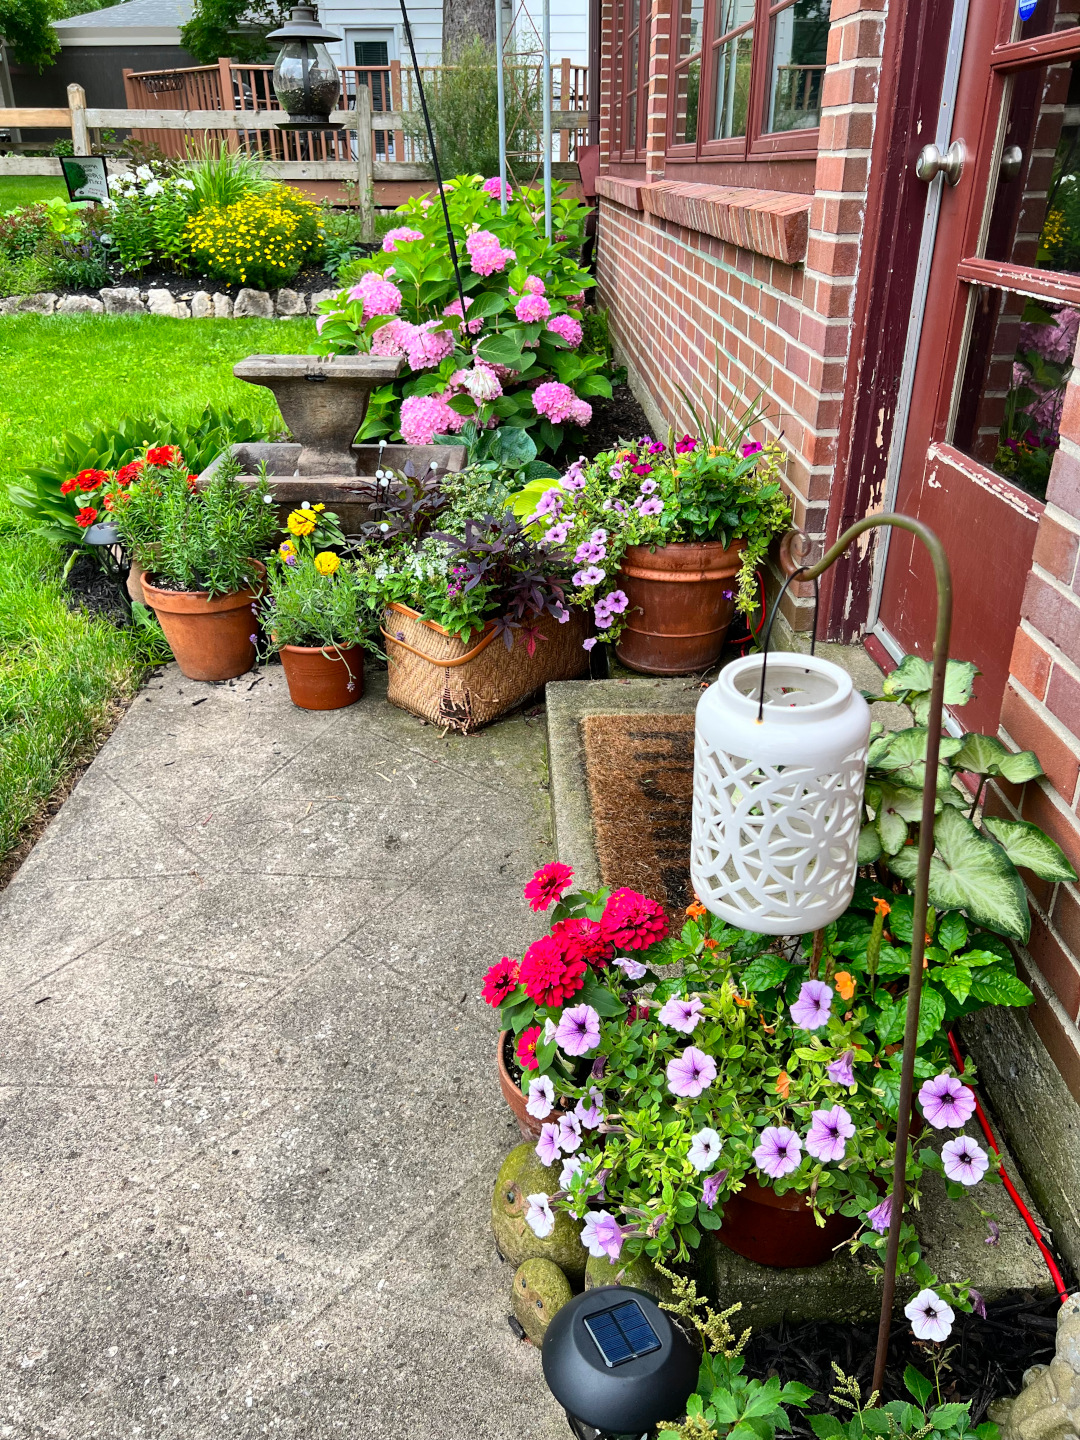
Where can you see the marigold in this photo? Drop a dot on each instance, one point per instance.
(548, 976)
(326, 562)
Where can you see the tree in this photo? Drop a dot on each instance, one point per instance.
(229, 27)
(464, 22)
(27, 25)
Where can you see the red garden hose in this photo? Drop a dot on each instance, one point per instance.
(1025, 1214)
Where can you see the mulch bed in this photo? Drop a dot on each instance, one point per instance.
(620, 418)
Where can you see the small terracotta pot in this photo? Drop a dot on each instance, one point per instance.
(678, 612)
(527, 1124)
(780, 1230)
(211, 639)
(319, 679)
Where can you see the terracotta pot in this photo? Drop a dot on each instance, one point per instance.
(678, 614)
(319, 678)
(780, 1230)
(527, 1124)
(211, 639)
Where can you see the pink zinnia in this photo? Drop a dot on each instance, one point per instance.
(403, 232)
(549, 883)
(427, 347)
(549, 978)
(500, 981)
(554, 400)
(568, 328)
(532, 307)
(425, 416)
(632, 921)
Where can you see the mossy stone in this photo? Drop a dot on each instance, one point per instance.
(540, 1290)
(640, 1273)
(521, 1175)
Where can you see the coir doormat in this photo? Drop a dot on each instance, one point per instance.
(640, 772)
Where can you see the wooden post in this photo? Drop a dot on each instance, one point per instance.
(225, 85)
(396, 104)
(564, 104)
(80, 133)
(365, 195)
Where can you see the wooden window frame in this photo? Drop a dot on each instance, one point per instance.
(757, 143)
(620, 64)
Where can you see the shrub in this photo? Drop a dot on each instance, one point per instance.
(148, 216)
(261, 240)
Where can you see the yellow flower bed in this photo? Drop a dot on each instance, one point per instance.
(262, 240)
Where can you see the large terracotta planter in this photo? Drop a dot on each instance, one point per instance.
(323, 679)
(780, 1230)
(211, 639)
(682, 599)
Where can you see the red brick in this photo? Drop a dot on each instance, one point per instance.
(1055, 549)
(1030, 664)
(1031, 732)
(1055, 614)
(1065, 917)
(1063, 698)
(1059, 969)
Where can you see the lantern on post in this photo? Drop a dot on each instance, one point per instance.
(306, 80)
(617, 1364)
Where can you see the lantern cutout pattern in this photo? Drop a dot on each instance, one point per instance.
(778, 801)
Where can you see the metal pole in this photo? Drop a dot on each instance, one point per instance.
(922, 878)
(546, 69)
(502, 103)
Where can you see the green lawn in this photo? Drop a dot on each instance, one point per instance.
(25, 189)
(60, 671)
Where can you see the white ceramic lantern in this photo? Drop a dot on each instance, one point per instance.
(778, 801)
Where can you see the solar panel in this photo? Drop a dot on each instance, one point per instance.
(622, 1333)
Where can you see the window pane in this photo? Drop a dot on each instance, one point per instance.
(730, 14)
(732, 77)
(1018, 363)
(632, 94)
(1035, 218)
(689, 37)
(687, 87)
(1050, 15)
(798, 38)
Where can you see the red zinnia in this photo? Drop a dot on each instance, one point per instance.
(526, 1048)
(90, 479)
(86, 517)
(500, 980)
(163, 455)
(633, 921)
(583, 939)
(548, 884)
(127, 473)
(68, 486)
(550, 977)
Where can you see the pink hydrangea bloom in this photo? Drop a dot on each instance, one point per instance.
(379, 297)
(576, 300)
(403, 232)
(554, 400)
(568, 328)
(580, 412)
(324, 319)
(481, 382)
(485, 253)
(532, 307)
(427, 347)
(495, 188)
(454, 308)
(425, 416)
(391, 338)
(534, 285)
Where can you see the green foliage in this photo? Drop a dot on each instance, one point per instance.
(51, 243)
(304, 606)
(463, 106)
(220, 176)
(262, 239)
(916, 1419)
(232, 27)
(27, 26)
(20, 190)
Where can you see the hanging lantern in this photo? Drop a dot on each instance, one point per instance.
(778, 788)
(306, 80)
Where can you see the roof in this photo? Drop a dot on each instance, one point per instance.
(145, 22)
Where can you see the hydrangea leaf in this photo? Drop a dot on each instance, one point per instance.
(998, 988)
(499, 350)
(952, 933)
(969, 872)
(869, 845)
(1026, 845)
(986, 755)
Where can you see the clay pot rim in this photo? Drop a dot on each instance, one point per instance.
(322, 649)
(232, 601)
(709, 560)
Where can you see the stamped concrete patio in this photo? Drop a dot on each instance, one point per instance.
(248, 1112)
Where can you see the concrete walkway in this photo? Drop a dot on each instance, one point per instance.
(249, 1118)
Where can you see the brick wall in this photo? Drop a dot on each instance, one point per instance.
(704, 302)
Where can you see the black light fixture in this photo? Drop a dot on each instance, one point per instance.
(111, 555)
(618, 1364)
(306, 80)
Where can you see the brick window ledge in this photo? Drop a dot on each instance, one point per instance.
(771, 222)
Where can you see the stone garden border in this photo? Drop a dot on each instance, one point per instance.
(189, 305)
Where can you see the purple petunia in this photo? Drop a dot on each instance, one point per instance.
(578, 1030)
(547, 1147)
(880, 1217)
(704, 1149)
(830, 1130)
(602, 1235)
(841, 1071)
(541, 1097)
(569, 1133)
(591, 1115)
(591, 575)
(650, 507)
(571, 1165)
(680, 1014)
(632, 969)
(691, 1072)
(964, 1161)
(946, 1103)
(589, 553)
(779, 1153)
(539, 1216)
(930, 1317)
(616, 601)
(814, 1005)
(711, 1188)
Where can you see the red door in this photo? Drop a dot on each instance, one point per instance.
(998, 331)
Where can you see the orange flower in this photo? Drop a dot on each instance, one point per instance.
(845, 984)
(744, 1003)
(882, 907)
(711, 944)
(783, 1085)
(695, 911)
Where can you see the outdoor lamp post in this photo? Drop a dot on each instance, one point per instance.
(306, 80)
(618, 1364)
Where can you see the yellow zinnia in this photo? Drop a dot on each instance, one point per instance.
(326, 562)
(301, 522)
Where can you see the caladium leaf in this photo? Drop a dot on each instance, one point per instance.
(904, 758)
(892, 830)
(869, 845)
(985, 755)
(971, 873)
(912, 679)
(1026, 845)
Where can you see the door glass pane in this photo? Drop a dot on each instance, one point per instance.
(1019, 360)
(689, 38)
(732, 86)
(798, 37)
(1035, 215)
(687, 87)
(632, 95)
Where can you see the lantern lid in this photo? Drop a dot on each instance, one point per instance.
(798, 688)
(614, 1360)
(304, 25)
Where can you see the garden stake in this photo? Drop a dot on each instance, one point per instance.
(435, 163)
(922, 877)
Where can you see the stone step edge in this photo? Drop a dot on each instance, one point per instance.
(282, 304)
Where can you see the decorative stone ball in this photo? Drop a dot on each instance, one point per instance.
(540, 1290)
(520, 1176)
(640, 1273)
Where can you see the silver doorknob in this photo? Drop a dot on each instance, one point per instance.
(931, 163)
(1012, 158)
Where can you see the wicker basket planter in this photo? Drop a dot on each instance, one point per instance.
(463, 687)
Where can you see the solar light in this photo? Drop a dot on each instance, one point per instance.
(618, 1364)
(779, 769)
(114, 559)
(306, 80)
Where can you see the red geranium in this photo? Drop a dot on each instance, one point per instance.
(127, 473)
(85, 518)
(90, 479)
(550, 976)
(526, 1048)
(68, 486)
(548, 884)
(163, 455)
(583, 939)
(632, 921)
(500, 980)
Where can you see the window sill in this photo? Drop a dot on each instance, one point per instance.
(770, 222)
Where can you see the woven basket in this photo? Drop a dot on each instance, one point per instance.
(461, 687)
